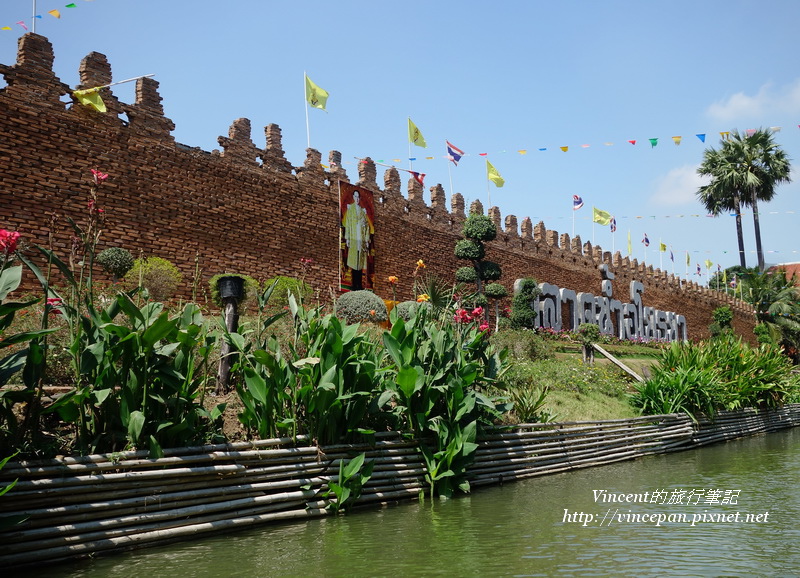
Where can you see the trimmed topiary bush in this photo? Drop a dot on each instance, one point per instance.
(115, 261)
(408, 309)
(470, 250)
(523, 314)
(480, 228)
(466, 275)
(357, 306)
(159, 276)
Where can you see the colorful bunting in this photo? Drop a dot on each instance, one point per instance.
(653, 142)
(677, 140)
(564, 149)
(55, 13)
(701, 136)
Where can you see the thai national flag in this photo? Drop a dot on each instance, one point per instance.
(453, 152)
(646, 241)
(613, 225)
(577, 202)
(419, 177)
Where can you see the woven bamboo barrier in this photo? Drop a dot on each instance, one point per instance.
(91, 505)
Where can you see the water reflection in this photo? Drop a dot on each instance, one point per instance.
(519, 529)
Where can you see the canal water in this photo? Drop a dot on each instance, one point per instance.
(730, 509)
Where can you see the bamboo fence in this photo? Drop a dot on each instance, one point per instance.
(92, 505)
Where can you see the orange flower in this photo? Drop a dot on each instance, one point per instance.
(420, 264)
(422, 297)
(372, 312)
(392, 279)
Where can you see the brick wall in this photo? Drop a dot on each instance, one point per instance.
(247, 209)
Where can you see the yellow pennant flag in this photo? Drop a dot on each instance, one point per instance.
(55, 13)
(630, 247)
(677, 140)
(493, 175)
(415, 136)
(600, 217)
(315, 96)
(565, 149)
(91, 97)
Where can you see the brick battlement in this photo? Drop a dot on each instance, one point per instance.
(247, 209)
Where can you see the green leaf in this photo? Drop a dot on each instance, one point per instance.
(10, 279)
(354, 465)
(135, 425)
(407, 379)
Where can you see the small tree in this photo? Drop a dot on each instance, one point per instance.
(588, 334)
(722, 316)
(523, 314)
(478, 229)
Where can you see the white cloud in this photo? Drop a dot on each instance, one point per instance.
(678, 187)
(769, 99)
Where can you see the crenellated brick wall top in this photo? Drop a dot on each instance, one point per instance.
(247, 209)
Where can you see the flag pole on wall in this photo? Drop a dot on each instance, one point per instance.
(305, 105)
(316, 97)
(33, 18)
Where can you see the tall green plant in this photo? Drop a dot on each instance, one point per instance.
(435, 385)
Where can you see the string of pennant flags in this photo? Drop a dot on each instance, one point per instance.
(29, 23)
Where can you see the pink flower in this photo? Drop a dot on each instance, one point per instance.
(483, 326)
(462, 316)
(53, 303)
(477, 312)
(8, 241)
(98, 176)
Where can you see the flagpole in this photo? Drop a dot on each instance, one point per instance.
(408, 128)
(573, 220)
(305, 104)
(33, 18)
(488, 192)
(122, 81)
(660, 255)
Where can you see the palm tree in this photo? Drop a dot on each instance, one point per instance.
(776, 301)
(744, 170)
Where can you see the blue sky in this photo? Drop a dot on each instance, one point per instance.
(495, 78)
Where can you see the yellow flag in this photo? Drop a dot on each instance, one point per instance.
(709, 263)
(91, 97)
(415, 136)
(315, 96)
(600, 217)
(493, 175)
(630, 247)
(55, 13)
(662, 247)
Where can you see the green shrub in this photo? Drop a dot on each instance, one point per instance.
(480, 228)
(466, 275)
(408, 309)
(470, 250)
(288, 285)
(495, 291)
(523, 345)
(116, 261)
(159, 276)
(357, 306)
(523, 315)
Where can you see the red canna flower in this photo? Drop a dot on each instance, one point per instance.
(8, 241)
(98, 176)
